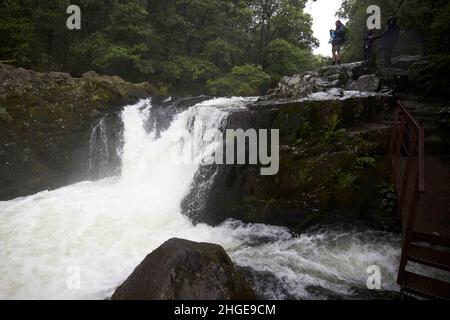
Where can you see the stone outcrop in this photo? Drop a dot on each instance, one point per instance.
(46, 121)
(335, 129)
(366, 83)
(412, 75)
(302, 85)
(185, 270)
(333, 164)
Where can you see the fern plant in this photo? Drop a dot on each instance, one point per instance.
(331, 131)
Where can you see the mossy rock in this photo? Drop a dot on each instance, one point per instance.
(185, 270)
(52, 115)
(4, 115)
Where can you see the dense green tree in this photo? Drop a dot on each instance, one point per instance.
(247, 80)
(283, 59)
(121, 45)
(177, 44)
(16, 33)
(280, 19)
(33, 33)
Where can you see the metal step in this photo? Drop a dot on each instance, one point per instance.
(426, 287)
(433, 239)
(429, 257)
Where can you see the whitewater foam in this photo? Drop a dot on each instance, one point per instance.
(106, 228)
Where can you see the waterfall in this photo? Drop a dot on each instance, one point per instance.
(98, 151)
(99, 231)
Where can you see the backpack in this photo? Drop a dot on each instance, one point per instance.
(347, 33)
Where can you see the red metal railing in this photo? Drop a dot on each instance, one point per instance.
(407, 158)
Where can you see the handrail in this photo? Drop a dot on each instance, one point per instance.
(408, 164)
(420, 146)
(421, 153)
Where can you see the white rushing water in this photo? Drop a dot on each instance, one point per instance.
(104, 229)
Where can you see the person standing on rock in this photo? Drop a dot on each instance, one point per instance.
(338, 37)
(389, 39)
(369, 40)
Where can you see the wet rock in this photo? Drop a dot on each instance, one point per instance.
(52, 115)
(335, 126)
(416, 74)
(299, 85)
(397, 79)
(59, 76)
(185, 270)
(352, 70)
(369, 82)
(323, 170)
(302, 85)
(90, 75)
(405, 62)
(267, 285)
(322, 84)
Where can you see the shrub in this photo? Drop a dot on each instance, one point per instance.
(246, 80)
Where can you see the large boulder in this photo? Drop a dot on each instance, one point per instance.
(299, 85)
(367, 83)
(185, 270)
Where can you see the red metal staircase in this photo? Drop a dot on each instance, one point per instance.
(423, 187)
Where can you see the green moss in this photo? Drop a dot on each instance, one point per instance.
(344, 180)
(4, 115)
(303, 178)
(364, 162)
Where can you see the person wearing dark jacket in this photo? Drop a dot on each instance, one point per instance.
(338, 39)
(369, 40)
(389, 39)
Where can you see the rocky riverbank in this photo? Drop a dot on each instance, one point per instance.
(46, 123)
(333, 157)
(335, 128)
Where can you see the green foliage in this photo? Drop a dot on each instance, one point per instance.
(364, 162)
(182, 43)
(284, 58)
(221, 53)
(183, 68)
(247, 80)
(331, 131)
(388, 198)
(344, 180)
(4, 115)
(304, 130)
(348, 178)
(303, 179)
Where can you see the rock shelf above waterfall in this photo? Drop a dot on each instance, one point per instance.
(334, 129)
(333, 94)
(406, 74)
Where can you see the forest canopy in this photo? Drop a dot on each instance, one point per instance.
(190, 45)
(219, 47)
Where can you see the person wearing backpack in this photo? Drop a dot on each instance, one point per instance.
(369, 39)
(338, 38)
(389, 39)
